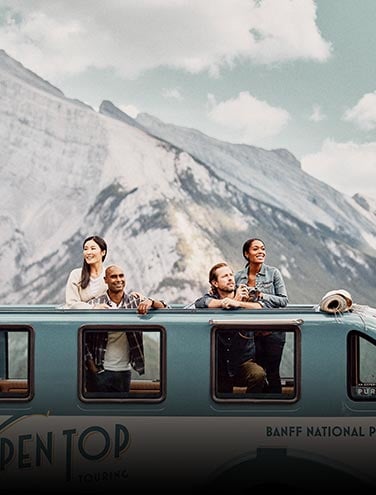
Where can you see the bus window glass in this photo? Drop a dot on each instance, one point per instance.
(362, 353)
(122, 364)
(254, 364)
(14, 363)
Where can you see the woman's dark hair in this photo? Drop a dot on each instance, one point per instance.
(85, 272)
(248, 244)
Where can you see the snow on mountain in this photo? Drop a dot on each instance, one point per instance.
(366, 202)
(20, 73)
(170, 202)
(262, 173)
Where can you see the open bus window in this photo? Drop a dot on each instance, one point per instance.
(122, 363)
(254, 364)
(362, 367)
(15, 362)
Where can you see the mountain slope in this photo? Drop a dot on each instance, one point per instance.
(272, 176)
(169, 201)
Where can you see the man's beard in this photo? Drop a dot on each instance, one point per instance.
(227, 290)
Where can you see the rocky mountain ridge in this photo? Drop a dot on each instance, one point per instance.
(170, 202)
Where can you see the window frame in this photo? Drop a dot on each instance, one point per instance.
(15, 396)
(291, 326)
(122, 327)
(353, 367)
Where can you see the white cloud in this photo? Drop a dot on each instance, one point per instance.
(285, 30)
(172, 94)
(58, 37)
(248, 118)
(130, 110)
(349, 167)
(364, 113)
(317, 115)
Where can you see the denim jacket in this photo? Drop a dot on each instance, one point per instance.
(270, 282)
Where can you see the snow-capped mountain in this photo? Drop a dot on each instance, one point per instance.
(366, 202)
(169, 201)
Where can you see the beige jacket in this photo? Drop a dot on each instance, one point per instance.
(75, 296)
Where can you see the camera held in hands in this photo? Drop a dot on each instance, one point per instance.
(252, 293)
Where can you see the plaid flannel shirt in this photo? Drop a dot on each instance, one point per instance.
(96, 342)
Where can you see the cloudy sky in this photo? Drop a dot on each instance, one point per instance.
(295, 74)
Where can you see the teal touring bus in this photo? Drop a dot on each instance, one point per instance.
(173, 431)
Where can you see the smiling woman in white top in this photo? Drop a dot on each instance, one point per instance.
(87, 282)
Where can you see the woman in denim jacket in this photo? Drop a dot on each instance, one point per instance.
(272, 293)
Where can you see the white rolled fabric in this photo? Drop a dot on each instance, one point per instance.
(336, 301)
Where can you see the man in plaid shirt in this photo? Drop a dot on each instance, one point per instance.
(111, 355)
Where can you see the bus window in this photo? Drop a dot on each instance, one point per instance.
(15, 363)
(362, 367)
(141, 380)
(234, 344)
